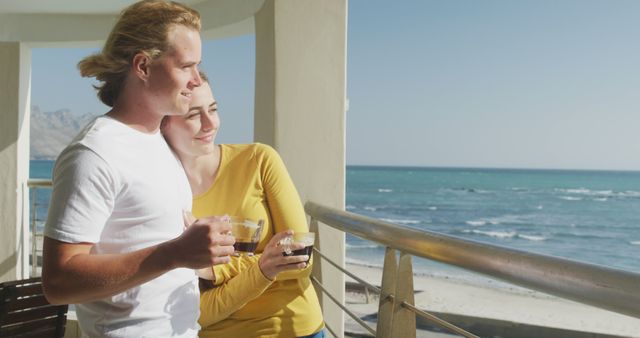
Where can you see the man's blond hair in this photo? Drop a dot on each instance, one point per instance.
(141, 28)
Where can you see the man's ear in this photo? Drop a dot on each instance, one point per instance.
(140, 65)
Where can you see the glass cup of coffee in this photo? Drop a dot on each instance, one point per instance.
(247, 234)
(304, 238)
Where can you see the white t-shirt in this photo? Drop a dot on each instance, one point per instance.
(124, 190)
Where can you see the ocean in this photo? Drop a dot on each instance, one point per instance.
(590, 216)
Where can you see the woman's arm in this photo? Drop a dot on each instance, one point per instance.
(285, 207)
(224, 273)
(220, 302)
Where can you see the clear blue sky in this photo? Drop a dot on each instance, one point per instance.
(520, 84)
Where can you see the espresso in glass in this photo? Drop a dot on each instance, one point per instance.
(247, 234)
(304, 251)
(248, 247)
(305, 238)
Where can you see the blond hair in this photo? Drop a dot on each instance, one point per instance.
(141, 28)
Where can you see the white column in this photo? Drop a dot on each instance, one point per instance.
(15, 84)
(300, 110)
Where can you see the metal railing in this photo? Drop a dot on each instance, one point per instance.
(599, 286)
(34, 185)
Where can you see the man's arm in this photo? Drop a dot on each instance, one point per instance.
(72, 274)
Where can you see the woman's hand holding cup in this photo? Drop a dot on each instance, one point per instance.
(272, 261)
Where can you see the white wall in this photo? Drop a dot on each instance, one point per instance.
(15, 79)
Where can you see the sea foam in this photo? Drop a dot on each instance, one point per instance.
(476, 223)
(401, 221)
(532, 237)
(496, 234)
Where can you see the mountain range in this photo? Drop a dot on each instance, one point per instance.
(52, 131)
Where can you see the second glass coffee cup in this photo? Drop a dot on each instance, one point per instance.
(303, 238)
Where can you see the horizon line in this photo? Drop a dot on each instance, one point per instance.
(406, 166)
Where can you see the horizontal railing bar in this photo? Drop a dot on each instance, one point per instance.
(360, 280)
(596, 285)
(39, 183)
(347, 311)
(435, 319)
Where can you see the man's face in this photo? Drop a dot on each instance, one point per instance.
(174, 75)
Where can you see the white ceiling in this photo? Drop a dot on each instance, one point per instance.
(52, 22)
(70, 6)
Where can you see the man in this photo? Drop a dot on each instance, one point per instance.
(114, 241)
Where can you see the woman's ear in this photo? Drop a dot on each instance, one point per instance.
(140, 64)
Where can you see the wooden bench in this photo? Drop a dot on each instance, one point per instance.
(25, 312)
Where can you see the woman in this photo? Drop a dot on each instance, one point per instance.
(266, 295)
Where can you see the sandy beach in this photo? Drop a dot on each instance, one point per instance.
(441, 294)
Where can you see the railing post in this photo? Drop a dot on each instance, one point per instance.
(34, 240)
(388, 287)
(404, 320)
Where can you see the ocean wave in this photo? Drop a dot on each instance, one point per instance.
(404, 208)
(634, 242)
(369, 208)
(401, 221)
(495, 234)
(532, 238)
(574, 191)
(627, 194)
(585, 191)
(599, 193)
(570, 198)
(476, 223)
(362, 246)
(585, 236)
(505, 235)
(349, 207)
(385, 190)
(504, 219)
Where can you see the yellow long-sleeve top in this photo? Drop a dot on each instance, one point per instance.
(253, 182)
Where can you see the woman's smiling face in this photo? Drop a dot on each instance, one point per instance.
(194, 133)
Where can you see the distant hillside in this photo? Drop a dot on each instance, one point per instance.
(52, 131)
